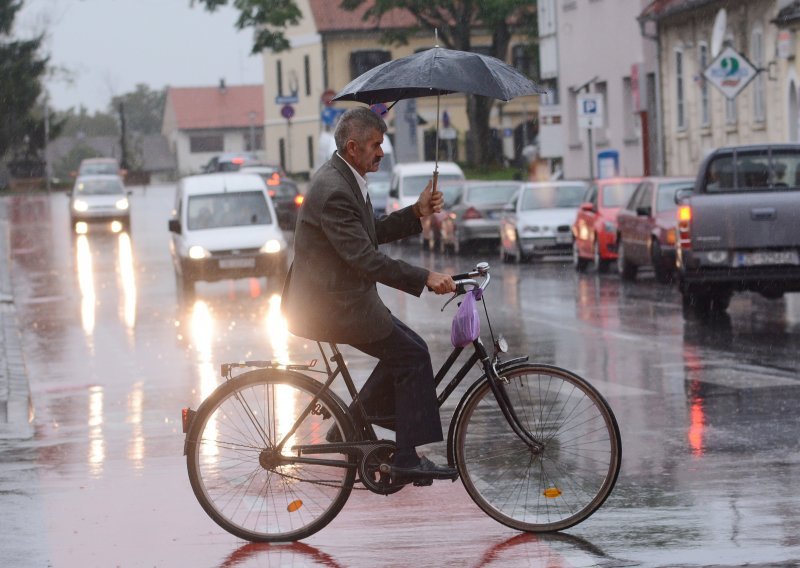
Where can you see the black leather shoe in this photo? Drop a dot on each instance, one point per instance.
(423, 473)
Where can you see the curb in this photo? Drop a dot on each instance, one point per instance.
(16, 412)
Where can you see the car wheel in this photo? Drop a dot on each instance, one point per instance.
(627, 271)
(662, 272)
(578, 261)
(600, 263)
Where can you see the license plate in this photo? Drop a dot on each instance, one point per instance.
(763, 258)
(564, 238)
(237, 263)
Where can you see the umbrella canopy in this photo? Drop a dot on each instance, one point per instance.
(438, 71)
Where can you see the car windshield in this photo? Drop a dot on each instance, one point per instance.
(617, 194)
(98, 169)
(552, 197)
(485, 194)
(99, 187)
(666, 194)
(233, 209)
(413, 185)
(450, 192)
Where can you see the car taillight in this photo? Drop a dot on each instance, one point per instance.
(298, 200)
(684, 222)
(271, 193)
(472, 213)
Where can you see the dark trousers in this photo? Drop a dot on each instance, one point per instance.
(401, 386)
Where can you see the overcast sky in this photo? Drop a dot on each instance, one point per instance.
(108, 46)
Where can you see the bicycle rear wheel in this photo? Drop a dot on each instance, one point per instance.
(564, 484)
(238, 476)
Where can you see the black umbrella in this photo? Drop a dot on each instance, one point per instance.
(438, 71)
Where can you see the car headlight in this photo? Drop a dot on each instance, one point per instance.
(122, 203)
(271, 246)
(197, 252)
(80, 205)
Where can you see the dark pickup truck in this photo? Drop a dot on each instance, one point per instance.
(739, 229)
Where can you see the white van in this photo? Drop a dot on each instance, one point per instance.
(224, 226)
(408, 181)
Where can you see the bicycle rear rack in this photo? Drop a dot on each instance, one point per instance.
(226, 368)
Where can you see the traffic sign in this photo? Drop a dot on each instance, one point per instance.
(327, 97)
(287, 100)
(287, 111)
(590, 111)
(330, 114)
(730, 72)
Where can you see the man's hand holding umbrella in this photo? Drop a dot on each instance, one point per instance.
(429, 201)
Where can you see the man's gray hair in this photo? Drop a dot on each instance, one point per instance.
(355, 124)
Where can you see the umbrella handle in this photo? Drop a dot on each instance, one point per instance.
(435, 180)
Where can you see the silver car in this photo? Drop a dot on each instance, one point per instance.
(537, 222)
(99, 199)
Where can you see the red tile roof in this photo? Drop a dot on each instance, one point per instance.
(657, 9)
(329, 16)
(213, 107)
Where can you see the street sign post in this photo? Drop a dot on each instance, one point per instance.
(590, 111)
(591, 115)
(730, 72)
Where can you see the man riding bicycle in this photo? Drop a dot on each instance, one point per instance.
(331, 295)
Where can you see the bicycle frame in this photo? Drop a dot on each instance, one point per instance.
(360, 418)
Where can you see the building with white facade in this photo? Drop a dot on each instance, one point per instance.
(596, 47)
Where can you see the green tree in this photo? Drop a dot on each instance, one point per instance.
(21, 71)
(81, 123)
(144, 109)
(456, 22)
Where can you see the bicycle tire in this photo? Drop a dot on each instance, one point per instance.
(267, 502)
(577, 468)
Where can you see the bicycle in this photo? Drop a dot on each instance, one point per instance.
(536, 446)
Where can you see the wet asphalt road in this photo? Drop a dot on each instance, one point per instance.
(708, 412)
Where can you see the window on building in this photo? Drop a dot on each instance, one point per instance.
(759, 83)
(310, 149)
(523, 60)
(601, 88)
(705, 99)
(680, 117)
(206, 143)
(364, 60)
(628, 110)
(279, 76)
(255, 143)
(551, 96)
(307, 69)
(282, 153)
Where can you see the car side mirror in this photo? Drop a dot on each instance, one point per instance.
(643, 211)
(510, 207)
(394, 193)
(174, 226)
(587, 206)
(682, 194)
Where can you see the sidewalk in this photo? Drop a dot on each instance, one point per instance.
(15, 406)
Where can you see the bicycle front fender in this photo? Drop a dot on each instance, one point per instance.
(451, 433)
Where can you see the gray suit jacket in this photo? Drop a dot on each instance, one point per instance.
(330, 293)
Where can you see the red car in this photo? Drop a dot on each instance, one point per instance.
(595, 227)
(646, 228)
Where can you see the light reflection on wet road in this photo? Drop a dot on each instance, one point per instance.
(708, 412)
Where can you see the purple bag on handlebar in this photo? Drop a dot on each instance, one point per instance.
(467, 323)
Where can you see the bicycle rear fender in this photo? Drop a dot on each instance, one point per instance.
(510, 364)
(191, 435)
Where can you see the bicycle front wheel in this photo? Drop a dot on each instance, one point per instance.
(239, 477)
(563, 484)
